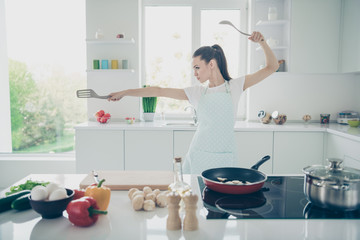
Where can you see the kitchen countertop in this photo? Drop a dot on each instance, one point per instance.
(122, 222)
(334, 128)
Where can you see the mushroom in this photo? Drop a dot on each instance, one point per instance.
(156, 192)
(149, 205)
(131, 192)
(141, 193)
(147, 190)
(161, 200)
(137, 202)
(150, 196)
(237, 182)
(221, 179)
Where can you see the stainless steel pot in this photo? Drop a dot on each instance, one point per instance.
(333, 186)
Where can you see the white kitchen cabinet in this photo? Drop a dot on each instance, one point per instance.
(252, 146)
(290, 151)
(182, 140)
(295, 150)
(314, 55)
(99, 150)
(346, 149)
(148, 150)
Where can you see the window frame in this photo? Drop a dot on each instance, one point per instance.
(197, 6)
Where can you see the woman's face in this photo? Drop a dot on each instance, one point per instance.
(201, 69)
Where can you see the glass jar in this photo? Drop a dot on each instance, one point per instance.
(179, 185)
(99, 34)
(272, 14)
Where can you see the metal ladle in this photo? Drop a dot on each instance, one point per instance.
(226, 22)
(229, 23)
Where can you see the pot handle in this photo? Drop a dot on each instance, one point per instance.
(343, 187)
(334, 184)
(335, 164)
(259, 163)
(323, 182)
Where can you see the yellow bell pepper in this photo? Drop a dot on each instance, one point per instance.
(100, 193)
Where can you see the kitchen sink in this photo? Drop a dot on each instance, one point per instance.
(188, 124)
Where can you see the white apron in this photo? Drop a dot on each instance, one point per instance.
(213, 144)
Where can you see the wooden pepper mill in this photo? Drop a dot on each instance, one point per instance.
(191, 222)
(173, 221)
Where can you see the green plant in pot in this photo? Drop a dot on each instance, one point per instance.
(149, 107)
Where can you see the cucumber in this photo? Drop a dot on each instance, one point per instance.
(5, 202)
(21, 203)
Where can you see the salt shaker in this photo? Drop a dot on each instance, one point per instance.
(191, 222)
(173, 221)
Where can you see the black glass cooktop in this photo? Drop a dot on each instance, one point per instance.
(280, 198)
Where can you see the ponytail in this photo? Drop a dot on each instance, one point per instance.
(207, 53)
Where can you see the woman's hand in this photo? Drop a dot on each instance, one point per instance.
(116, 96)
(256, 37)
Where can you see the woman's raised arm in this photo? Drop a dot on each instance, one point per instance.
(271, 62)
(175, 93)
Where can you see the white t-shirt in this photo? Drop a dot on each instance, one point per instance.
(194, 93)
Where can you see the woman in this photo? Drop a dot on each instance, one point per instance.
(213, 144)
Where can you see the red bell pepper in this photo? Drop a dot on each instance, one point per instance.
(78, 194)
(83, 212)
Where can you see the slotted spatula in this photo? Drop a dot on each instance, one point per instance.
(89, 93)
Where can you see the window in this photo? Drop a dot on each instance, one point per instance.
(168, 51)
(214, 33)
(173, 31)
(46, 64)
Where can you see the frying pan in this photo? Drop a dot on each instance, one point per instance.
(252, 179)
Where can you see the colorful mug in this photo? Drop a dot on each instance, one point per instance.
(114, 64)
(104, 64)
(96, 64)
(125, 64)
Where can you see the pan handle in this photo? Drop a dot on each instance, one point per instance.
(259, 163)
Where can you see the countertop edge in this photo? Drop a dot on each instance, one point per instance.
(240, 126)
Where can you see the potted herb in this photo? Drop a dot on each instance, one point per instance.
(149, 107)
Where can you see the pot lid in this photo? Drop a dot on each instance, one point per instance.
(333, 171)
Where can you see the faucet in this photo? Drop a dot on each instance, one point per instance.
(194, 116)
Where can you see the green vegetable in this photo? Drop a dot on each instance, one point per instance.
(5, 202)
(149, 103)
(21, 203)
(28, 185)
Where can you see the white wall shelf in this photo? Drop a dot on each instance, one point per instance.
(115, 41)
(110, 70)
(274, 48)
(272, 23)
(277, 30)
